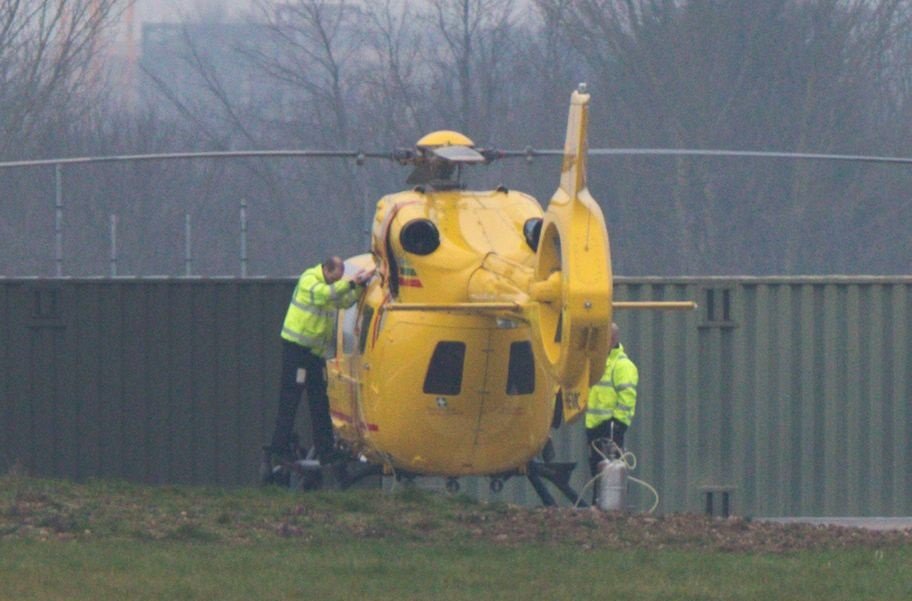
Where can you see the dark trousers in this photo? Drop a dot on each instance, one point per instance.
(294, 358)
(610, 430)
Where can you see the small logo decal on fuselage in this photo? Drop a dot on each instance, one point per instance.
(408, 277)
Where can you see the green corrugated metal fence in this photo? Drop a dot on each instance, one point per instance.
(162, 381)
(793, 392)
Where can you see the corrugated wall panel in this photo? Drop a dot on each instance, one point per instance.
(900, 349)
(156, 439)
(204, 391)
(794, 392)
(226, 398)
(6, 367)
(855, 401)
(134, 402)
(11, 376)
(875, 429)
(183, 372)
(256, 377)
(43, 354)
(66, 404)
(23, 421)
(84, 340)
(807, 410)
(22, 411)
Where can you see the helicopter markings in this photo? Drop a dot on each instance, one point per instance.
(408, 277)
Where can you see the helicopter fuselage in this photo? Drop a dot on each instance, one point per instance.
(484, 309)
(448, 386)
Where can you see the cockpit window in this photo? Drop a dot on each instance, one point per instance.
(349, 321)
(532, 232)
(521, 371)
(420, 237)
(444, 374)
(365, 328)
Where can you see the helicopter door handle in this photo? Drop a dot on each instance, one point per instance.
(366, 366)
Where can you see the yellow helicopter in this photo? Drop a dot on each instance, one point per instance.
(487, 323)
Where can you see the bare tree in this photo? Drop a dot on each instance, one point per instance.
(397, 80)
(472, 42)
(49, 63)
(315, 46)
(787, 74)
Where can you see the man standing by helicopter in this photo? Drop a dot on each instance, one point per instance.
(306, 340)
(612, 404)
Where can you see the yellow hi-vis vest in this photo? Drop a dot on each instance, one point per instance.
(614, 396)
(310, 317)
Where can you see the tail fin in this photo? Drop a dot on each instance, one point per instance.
(572, 287)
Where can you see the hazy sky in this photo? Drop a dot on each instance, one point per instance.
(172, 10)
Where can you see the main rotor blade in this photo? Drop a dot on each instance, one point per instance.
(228, 154)
(748, 153)
(530, 153)
(490, 155)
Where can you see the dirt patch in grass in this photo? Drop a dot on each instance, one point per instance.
(54, 510)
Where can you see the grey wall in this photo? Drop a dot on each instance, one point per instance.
(161, 381)
(794, 392)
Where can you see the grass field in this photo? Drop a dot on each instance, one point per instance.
(118, 541)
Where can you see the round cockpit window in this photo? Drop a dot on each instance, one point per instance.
(532, 232)
(419, 237)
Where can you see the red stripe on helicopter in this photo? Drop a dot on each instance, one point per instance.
(348, 420)
(410, 282)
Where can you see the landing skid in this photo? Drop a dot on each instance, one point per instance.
(309, 474)
(555, 472)
(339, 475)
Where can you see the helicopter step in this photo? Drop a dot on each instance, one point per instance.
(303, 471)
(341, 474)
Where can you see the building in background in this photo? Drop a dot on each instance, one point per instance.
(122, 59)
(208, 64)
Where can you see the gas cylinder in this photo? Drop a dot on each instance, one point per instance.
(612, 485)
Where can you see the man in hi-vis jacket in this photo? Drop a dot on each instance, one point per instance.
(612, 403)
(306, 339)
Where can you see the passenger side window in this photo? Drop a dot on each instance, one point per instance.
(444, 375)
(521, 371)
